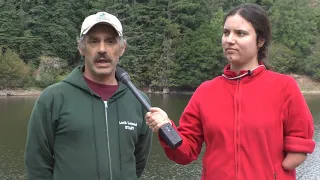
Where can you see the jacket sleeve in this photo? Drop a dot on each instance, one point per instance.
(39, 153)
(143, 146)
(298, 122)
(191, 131)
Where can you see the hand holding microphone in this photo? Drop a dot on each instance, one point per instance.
(156, 118)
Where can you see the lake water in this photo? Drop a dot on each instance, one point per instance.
(14, 116)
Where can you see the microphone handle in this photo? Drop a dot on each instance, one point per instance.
(167, 132)
(136, 92)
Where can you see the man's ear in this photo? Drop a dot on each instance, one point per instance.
(81, 45)
(80, 50)
(123, 48)
(261, 43)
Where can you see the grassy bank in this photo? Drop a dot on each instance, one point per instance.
(306, 84)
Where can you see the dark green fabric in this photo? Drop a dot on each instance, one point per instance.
(69, 137)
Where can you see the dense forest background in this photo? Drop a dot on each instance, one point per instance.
(173, 44)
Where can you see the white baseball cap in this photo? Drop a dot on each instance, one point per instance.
(100, 17)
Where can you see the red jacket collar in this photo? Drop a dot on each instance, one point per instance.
(245, 75)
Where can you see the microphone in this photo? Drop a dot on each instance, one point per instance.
(168, 134)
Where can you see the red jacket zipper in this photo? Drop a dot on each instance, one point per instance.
(237, 127)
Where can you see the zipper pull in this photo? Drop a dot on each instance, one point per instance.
(275, 175)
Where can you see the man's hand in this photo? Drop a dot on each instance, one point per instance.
(156, 118)
(293, 160)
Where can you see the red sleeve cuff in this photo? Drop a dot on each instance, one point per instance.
(297, 144)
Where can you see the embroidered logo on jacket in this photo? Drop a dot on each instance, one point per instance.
(128, 125)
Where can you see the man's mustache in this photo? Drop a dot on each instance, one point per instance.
(101, 57)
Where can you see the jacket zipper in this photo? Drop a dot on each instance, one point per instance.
(275, 175)
(107, 126)
(237, 128)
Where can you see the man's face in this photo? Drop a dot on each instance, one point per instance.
(101, 51)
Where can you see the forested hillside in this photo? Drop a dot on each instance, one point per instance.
(173, 44)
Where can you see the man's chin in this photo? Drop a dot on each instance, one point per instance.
(103, 72)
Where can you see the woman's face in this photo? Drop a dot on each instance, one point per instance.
(239, 43)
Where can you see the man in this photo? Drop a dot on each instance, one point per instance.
(89, 126)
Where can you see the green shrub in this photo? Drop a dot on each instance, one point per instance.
(49, 70)
(313, 62)
(14, 73)
(281, 58)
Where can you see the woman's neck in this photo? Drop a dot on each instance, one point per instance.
(237, 68)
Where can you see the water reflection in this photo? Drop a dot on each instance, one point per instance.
(14, 113)
(14, 116)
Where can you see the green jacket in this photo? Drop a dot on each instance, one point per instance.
(70, 138)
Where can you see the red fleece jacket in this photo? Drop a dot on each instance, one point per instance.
(247, 124)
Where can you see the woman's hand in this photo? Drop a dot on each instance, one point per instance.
(293, 160)
(156, 118)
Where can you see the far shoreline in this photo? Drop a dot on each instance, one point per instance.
(305, 83)
(310, 92)
(34, 92)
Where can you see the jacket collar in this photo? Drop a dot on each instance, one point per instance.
(244, 75)
(76, 79)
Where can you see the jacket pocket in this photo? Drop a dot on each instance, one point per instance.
(281, 174)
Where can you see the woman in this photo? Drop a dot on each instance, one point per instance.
(255, 122)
